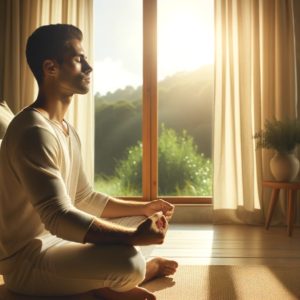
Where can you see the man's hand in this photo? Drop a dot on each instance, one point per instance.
(159, 205)
(151, 231)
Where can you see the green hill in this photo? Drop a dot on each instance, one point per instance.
(185, 103)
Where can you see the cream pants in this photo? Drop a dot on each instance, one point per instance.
(49, 266)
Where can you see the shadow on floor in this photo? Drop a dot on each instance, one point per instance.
(159, 284)
(288, 277)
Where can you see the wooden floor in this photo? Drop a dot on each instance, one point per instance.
(225, 245)
(229, 245)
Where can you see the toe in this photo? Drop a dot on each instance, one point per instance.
(169, 271)
(172, 264)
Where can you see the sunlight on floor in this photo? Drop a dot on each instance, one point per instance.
(186, 244)
(207, 244)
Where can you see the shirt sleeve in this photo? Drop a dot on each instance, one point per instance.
(86, 198)
(36, 163)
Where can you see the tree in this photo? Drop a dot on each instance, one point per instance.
(182, 170)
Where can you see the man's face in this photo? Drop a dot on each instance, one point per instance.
(74, 72)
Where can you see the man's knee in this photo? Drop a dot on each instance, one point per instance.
(133, 273)
(138, 266)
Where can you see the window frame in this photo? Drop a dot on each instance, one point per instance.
(150, 115)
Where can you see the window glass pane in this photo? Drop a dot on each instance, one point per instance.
(118, 96)
(185, 92)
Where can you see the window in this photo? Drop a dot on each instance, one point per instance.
(154, 90)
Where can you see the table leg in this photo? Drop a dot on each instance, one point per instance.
(290, 211)
(274, 198)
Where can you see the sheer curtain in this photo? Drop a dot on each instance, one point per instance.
(255, 79)
(17, 86)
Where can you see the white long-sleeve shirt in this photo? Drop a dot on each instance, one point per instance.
(42, 184)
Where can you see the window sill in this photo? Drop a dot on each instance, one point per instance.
(177, 200)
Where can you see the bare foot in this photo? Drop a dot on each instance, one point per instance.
(159, 267)
(136, 293)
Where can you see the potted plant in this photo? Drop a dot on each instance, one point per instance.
(283, 137)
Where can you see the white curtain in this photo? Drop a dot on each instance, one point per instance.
(19, 18)
(255, 79)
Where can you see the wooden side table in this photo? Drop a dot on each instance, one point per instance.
(291, 188)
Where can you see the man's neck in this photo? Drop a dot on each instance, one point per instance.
(52, 106)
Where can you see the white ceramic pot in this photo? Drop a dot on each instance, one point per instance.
(284, 166)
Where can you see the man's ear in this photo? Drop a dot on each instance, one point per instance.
(50, 67)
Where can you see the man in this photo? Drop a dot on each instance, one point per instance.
(52, 239)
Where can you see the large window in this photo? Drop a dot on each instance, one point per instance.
(153, 86)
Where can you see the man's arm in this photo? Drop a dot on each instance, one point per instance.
(100, 204)
(116, 208)
(35, 162)
(106, 206)
(103, 205)
(120, 208)
(151, 231)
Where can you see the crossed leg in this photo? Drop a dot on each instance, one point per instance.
(52, 267)
(156, 267)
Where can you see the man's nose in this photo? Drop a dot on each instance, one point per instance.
(87, 68)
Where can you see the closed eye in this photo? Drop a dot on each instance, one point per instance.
(80, 58)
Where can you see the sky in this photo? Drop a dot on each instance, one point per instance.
(185, 40)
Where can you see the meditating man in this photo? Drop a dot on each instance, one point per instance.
(56, 237)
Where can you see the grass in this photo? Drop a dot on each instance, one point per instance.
(112, 186)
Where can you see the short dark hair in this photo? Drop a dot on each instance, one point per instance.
(49, 42)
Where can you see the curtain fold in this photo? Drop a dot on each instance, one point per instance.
(255, 80)
(17, 86)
